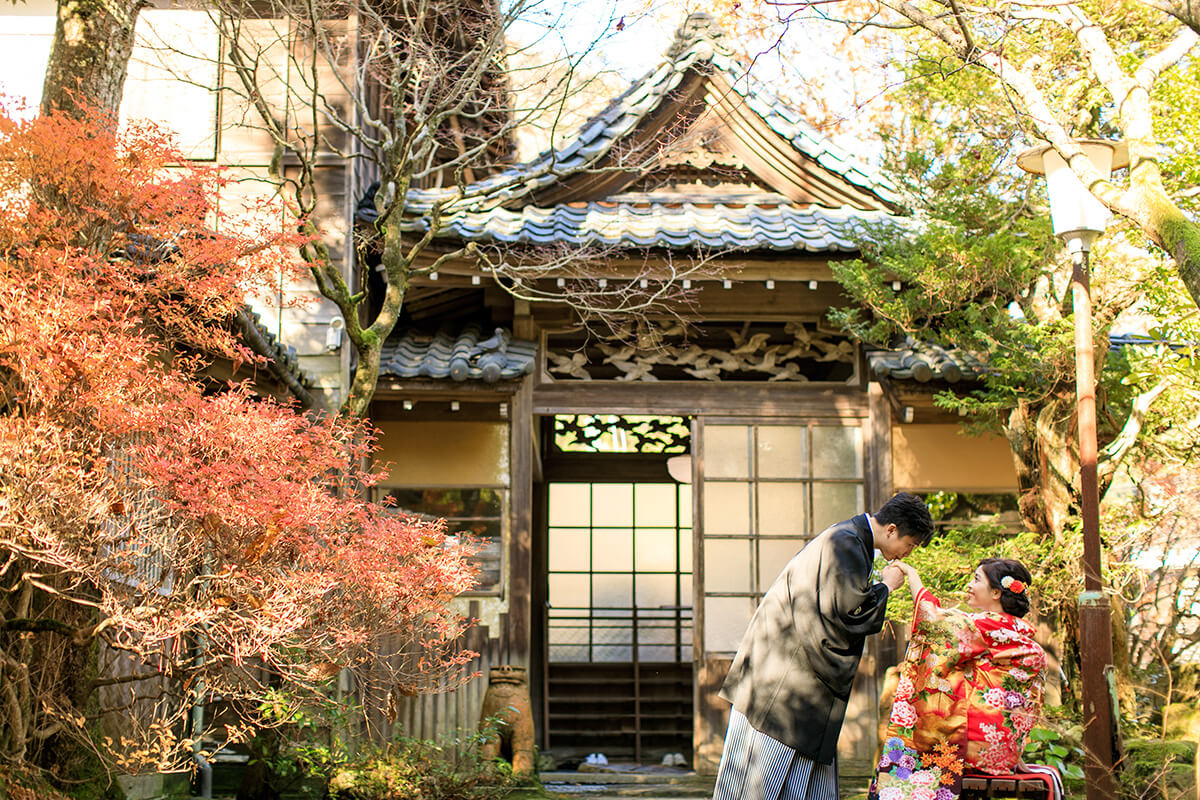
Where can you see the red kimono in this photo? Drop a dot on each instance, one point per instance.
(970, 690)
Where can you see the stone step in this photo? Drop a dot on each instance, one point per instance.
(643, 782)
(627, 773)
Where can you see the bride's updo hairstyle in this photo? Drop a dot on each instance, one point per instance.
(1012, 579)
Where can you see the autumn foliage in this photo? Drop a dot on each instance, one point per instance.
(162, 542)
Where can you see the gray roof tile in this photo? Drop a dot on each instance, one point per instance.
(921, 362)
(459, 354)
(780, 226)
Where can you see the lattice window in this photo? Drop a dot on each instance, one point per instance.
(620, 572)
(766, 490)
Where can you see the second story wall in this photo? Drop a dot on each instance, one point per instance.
(180, 59)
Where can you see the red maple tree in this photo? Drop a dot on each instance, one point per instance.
(162, 543)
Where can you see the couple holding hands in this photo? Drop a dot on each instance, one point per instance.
(969, 689)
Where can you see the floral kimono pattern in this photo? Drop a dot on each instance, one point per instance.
(970, 690)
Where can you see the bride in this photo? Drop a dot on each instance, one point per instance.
(970, 688)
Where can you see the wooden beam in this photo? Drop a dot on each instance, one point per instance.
(737, 266)
(688, 399)
(391, 388)
(601, 467)
(428, 410)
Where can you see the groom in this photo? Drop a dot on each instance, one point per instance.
(791, 678)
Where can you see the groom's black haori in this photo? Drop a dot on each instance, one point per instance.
(796, 664)
(792, 675)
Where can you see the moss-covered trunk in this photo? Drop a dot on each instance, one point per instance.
(1181, 239)
(368, 341)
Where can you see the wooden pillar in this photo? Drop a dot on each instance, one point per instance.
(879, 447)
(520, 546)
(858, 744)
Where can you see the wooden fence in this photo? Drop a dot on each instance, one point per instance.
(452, 708)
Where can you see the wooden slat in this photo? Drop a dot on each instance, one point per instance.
(445, 714)
(981, 786)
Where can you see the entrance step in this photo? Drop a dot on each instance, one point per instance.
(646, 782)
(631, 781)
(634, 712)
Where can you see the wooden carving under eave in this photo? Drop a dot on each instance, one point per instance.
(793, 351)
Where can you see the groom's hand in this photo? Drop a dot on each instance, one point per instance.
(893, 577)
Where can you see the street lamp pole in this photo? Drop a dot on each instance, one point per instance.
(1079, 219)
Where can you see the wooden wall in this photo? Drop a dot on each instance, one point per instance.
(295, 312)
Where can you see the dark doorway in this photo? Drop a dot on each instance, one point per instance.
(618, 636)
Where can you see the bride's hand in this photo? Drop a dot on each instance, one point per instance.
(910, 572)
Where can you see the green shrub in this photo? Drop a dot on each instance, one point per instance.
(417, 769)
(1058, 749)
(1155, 769)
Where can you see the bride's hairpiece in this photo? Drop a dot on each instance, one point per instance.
(1012, 584)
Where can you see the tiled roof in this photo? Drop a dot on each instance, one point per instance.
(284, 363)
(921, 362)
(917, 361)
(739, 226)
(280, 353)
(483, 211)
(458, 354)
(700, 46)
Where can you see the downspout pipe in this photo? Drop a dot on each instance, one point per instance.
(204, 770)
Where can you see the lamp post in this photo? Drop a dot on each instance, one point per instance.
(1079, 219)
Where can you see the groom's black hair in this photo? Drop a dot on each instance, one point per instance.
(910, 516)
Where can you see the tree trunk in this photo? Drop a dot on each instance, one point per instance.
(93, 40)
(368, 342)
(1047, 465)
(366, 376)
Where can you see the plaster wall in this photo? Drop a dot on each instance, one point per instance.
(429, 454)
(943, 458)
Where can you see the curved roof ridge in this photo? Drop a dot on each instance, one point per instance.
(699, 45)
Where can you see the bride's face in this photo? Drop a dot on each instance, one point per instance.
(980, 594)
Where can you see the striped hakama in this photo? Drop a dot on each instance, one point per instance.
(756, 767)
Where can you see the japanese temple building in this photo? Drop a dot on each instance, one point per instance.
(639, 489)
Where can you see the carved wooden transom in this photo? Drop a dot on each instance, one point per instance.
(612, 433)
(755, 352)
